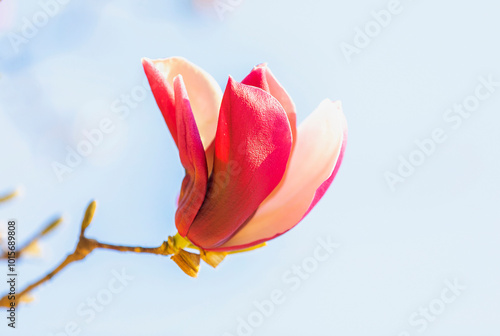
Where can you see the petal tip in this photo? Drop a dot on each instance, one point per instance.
(178, 78)
(146, 62)
(338, 105)
(231, 82)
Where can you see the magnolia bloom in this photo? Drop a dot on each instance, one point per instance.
(251, 174)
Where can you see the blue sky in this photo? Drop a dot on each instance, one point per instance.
(399, 248)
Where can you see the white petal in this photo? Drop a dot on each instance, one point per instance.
(204, 93)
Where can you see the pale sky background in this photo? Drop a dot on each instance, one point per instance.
(396, 248)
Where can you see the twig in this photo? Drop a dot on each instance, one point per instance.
(9, 196)
(84, 247)
(189, 262)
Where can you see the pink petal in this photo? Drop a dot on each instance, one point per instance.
(203, 91)
(315, 161)
(193, 160)
(262, 77)
(252, 147)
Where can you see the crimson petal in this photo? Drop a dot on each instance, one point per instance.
(193, 160)
(163, 93)
(252, 147)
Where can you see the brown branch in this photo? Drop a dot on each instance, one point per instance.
(84, 247)
(174, 246)
(160, 250)
(5, 302)
(8, 196)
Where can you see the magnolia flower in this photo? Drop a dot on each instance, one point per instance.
(251, 174)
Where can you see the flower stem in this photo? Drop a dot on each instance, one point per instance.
(84, 247)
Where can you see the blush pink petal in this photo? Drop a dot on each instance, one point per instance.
(204, 93)
(314, 163)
